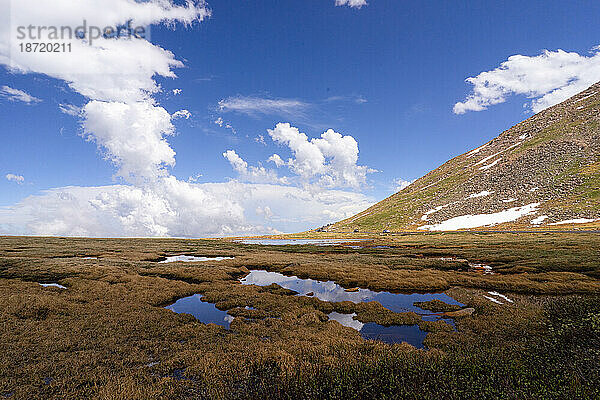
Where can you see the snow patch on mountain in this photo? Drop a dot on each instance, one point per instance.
(479, 220)
(480, 194)
(485, 167)
(539, 220)
(432, 211)
(575, 221)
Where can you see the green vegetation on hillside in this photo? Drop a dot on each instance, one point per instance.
(550, 158)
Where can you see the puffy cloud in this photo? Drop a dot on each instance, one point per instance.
(236, 161)
(178, 209)
(331, 159)
(276, 160)
(548, 79)
(105, 69)
(124, 120)
(351, 3)
(260, 139)
(257, 105)
(132, 136)
(176, 92)
(266, 211)
(15, 178)
(116, 75)
(115, 70)
(401, 184)
(252, 173)
(182, 114)
(17, 95)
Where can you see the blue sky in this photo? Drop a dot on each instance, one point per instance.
(388, 74)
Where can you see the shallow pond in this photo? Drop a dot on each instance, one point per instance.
(332, 292)
(184, 258)
(204, 312)
(289, 242)
(56, 285)
(410, 334)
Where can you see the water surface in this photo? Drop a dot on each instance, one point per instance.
(410, 334)
(204, 312)
(332, 292)
(56, 285)
(184, 258)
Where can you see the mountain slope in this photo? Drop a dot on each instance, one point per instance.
(543, 171)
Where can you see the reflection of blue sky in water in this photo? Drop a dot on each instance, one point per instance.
(332, 292)
(410, 334)
(204, 312)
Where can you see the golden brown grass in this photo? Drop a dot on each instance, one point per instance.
(108, 336)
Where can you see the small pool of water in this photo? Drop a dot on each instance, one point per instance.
(291, 242)
(184, 258)
(56, 285)
(332, 292)
(410, 334)
(204, 312)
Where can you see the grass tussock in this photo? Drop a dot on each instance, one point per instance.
(108, 336)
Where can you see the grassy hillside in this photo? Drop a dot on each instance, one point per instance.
(546, 170)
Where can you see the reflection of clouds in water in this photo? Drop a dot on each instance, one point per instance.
(325, 291)
(56, 285)
(265, 278)
(346, 320)
(193, 259)
(332, 292)
(337, 294)
(203, 311)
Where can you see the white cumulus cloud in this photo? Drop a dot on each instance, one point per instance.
(122, 117)
(182, 114)
(548, 79)
(331, 159)
(133, 136)
(277, 160)
(401, 184)
(255, 174)
(15, 178)
(178, 209)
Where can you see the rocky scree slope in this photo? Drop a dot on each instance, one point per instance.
(542, 173)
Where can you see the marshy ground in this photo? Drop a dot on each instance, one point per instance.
(108, 335)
